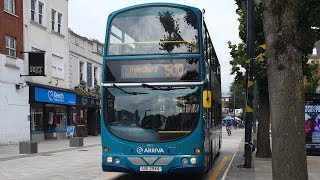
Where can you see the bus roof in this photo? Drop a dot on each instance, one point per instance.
(154, 4)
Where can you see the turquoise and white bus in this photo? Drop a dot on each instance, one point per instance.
(161, 91)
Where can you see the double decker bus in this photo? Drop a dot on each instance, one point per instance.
(161, 91)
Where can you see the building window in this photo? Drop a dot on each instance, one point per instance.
(59, 22)
(89, 74)
(99, 49)
(10, 46)
(40, 12)
(57, 67)
(53, 19)
(314, 52)
(9, 6)
(81, 71)
(95, 73)
(33, 9)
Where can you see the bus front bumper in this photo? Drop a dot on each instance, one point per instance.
(112, 168)
(198, 169)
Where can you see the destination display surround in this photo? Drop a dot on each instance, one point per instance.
(152, 70)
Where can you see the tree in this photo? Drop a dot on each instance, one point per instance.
(286, 93)
(309, 23)
(238, 54)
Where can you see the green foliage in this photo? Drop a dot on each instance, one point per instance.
(309, 28)
(312, 78)
(239, 89)
(82, 90)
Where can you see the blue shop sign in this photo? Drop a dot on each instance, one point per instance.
(52, 96)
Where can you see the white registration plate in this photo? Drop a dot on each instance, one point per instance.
(151, 168)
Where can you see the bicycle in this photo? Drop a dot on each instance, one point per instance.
(228, 130)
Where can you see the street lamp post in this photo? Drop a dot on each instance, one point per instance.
(250, 82)
(234, 107)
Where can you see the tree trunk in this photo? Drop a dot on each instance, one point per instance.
(285, 89)
(263, 134)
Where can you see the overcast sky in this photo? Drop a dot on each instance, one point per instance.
(89, 17)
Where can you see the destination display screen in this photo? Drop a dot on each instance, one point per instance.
(152, 70)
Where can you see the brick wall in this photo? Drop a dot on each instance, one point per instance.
(12, 25)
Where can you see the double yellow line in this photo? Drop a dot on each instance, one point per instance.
(218, 170)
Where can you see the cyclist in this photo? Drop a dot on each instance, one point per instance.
(228, 127)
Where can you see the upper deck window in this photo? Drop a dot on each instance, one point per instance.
(153, 30)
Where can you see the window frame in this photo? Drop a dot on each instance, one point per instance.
(13, 6)
(89, 74)
(59, 22)
(9, 47)
(81, 65)
(33, 10)
(40, 12)
(53, 19)
(95, 75)
(58, 67)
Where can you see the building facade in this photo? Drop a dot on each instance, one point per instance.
(51, 102)
(226, 109)
(14, 106)
(85, 75)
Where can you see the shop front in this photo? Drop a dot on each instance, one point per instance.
(88, 116)
(51, 111)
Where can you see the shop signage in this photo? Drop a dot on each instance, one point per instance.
(36, 64)
(52, 96)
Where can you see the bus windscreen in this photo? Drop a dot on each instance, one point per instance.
(153, 30)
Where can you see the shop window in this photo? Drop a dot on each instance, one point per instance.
(36, 118)
(56, 118)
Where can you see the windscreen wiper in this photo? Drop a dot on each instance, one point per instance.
(131, 93)
(169, 88)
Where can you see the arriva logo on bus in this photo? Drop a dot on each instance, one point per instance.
(140, 150)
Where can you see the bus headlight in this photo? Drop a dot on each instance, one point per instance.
(184, 160)
(193, 160)
(109, 159)
(117, 160)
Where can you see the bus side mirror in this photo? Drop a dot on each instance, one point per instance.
(206, 99)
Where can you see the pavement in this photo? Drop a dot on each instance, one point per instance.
(262, 167)
(84, 163)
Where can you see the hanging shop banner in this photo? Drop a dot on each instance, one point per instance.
(53, 96)
(36, 64)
